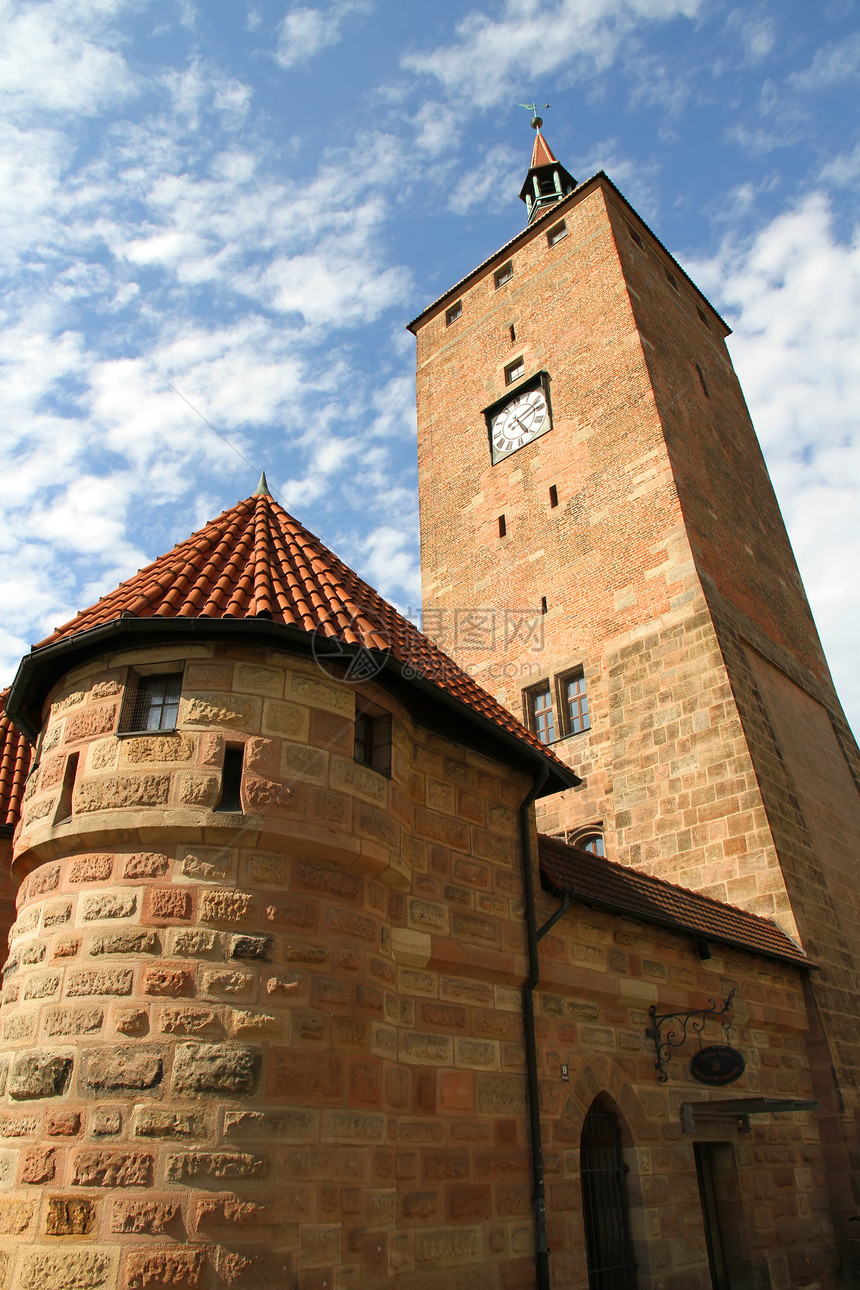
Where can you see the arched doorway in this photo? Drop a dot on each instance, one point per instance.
(611, 1265)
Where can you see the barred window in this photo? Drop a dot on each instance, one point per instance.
(151, 702)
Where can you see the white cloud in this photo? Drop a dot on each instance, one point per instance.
(490, 57)
(304, 31)
(834, 62)
(792, 295)
(490, 183)
(61, 57)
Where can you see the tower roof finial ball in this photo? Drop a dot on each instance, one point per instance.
(537, 122)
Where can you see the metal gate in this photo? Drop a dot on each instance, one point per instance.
(611, 1265)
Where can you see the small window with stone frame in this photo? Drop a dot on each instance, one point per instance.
(151, 702)
(514, 371)
(574, 703)
(452, 314)
(540, 715)
(373, 737)
(504, 274)
(556, 233)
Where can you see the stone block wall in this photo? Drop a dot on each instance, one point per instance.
(281, 1047)
(600, 976)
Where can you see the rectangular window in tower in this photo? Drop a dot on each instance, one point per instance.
(574, 702)
(504, 274)
(373, 738)
(514, 371)
(556, 233)
(503, 527)
(703, 317)
(541, 717)
(636, 238)
(452, 314)
(703, 382)
(672, 280)
(553, 495)
(512, 332)
(151, 702)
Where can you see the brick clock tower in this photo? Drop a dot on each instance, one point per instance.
(602, 549)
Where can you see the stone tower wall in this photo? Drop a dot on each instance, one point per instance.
(275, 1048)
(668, 578)
(667, 771)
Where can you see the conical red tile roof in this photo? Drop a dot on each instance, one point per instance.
(256, 562)
(15, 755)
(542, 154)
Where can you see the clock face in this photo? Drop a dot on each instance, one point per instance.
(520, 421)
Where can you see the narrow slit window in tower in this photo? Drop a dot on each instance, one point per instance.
(231, 779)
(503, 528)
(63, 812)
(553, 495)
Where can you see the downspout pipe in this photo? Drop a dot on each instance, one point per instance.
(529, 985)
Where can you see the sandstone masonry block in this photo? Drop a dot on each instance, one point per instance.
(76, 1270)
(106, 981)
(91, 869)
(168, 903)
(224, 906)
(228, 710)
(127, 941)
(146, 864)
(116, 1070)
(155, 1269)
(118, 904)
(95, 721)
(39, 1075)
(39, 1165)
(114, 792)
(215, 1165)
(69, 1216)
(112, 1168)
(158, 748)
(152, 1217)
(171, 981)
(216, 1068)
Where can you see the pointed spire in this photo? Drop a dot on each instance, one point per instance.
(262, 489)
(547, 182)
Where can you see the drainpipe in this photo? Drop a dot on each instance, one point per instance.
(531, 981)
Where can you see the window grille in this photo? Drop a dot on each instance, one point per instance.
(611, 1265)
(152, 702)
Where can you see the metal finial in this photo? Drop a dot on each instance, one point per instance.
(537, 121)
(262, 489)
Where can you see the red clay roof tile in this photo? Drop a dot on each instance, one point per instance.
(254, 561)
(15, 756)
(597, 881)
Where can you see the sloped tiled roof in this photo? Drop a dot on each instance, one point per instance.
(542, 154)
(599, 882)
(15, 754)
(256, 562)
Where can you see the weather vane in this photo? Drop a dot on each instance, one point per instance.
(537, 121)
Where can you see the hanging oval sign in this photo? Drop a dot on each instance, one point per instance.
(717, 1064)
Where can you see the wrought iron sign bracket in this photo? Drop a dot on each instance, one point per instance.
(677, 1025)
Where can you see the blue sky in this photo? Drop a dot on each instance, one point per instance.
(230, 210)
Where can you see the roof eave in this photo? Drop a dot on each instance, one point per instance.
(642, 916)
(505, 251)
(42, 668)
